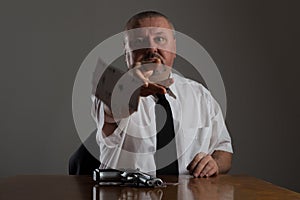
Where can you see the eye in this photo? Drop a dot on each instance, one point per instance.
(160, 40)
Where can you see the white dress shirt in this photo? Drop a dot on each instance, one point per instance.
(198, 123)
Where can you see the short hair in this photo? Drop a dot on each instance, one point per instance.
(131, 23)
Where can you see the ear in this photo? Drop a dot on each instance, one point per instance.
(127, 57)
(127, 53)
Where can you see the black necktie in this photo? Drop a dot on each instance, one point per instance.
(165, 156)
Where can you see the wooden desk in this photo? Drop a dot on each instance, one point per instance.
(225, 187)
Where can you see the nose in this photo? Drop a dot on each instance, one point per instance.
(151, 48)
(151, 51)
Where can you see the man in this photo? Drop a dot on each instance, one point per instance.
(202, 143)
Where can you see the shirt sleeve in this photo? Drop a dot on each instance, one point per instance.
(220, 138)
(97, 113)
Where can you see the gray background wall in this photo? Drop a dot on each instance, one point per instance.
(255, 44)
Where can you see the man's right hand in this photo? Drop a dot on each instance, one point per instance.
(153, 82)
(155, 79)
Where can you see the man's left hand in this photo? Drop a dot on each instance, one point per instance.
(203, 165)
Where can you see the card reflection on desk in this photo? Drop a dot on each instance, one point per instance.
(123, 193)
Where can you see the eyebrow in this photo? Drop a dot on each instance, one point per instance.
(160, 33)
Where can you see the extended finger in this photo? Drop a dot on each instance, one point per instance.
(141, 76)
(148, 69)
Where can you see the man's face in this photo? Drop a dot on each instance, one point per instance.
(151, 39)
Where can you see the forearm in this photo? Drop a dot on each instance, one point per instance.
(110, 124)
(108, 128)
(223, 160)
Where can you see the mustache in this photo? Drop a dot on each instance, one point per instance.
(151, 56)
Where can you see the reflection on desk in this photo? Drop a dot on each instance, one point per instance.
(223, 187)
(100, 192)
(187, 188)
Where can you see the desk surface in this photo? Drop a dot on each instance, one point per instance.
(223, 187)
